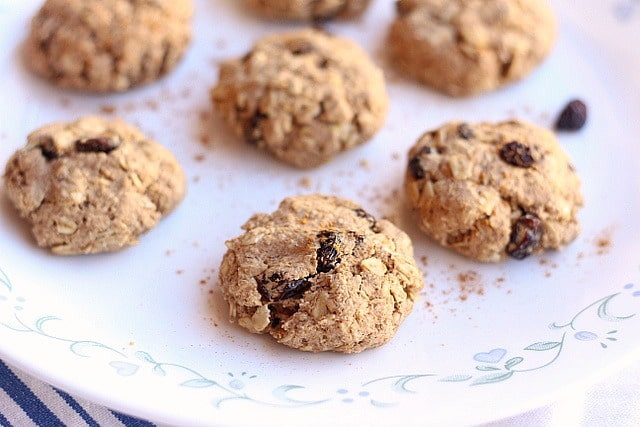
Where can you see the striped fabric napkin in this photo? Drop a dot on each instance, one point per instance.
(27, 402)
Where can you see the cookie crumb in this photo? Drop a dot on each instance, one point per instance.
(179, 272)
(199, 157)
(305, 182)
(107, 109)
(469, 282)
(603, 241)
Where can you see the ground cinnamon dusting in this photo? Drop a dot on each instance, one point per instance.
(469, 282)
(603, 242)
(305, 182)
(107, 109)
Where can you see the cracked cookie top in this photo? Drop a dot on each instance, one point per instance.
(303, 96)
(321, 274)
(464, 47)
(491, 190)
(108, 45)
(92, 185)
(308, 10)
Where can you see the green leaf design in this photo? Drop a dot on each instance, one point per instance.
(513, 362)
(80, 347)
(159, 371)
(603, 312)
(280, 393)
(198, 383)
(493, 378)
(456, 378)
(379, 404)
(4, 280)
(543, 346)
(143, 355)
(41, 321)
(487, 368)
(401, 385)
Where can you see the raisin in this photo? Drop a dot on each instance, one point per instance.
(372, 220)
(47, 147)
(294, 288)
(415, 167)
(465, 131)
(252, 133)
(526, 235)
(48, 153)
(327, 254)
(516, 154)
(102, 144)
(275, 277)
(275, 321)
(573, 117)
(263, 291)
(302, 47)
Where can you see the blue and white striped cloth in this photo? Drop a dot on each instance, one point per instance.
(27, 402)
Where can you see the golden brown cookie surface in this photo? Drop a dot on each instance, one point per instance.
(465, 47)
(492, 190)
(108, 45)
(303, 96)
(321, 274)
(92, 185)
(308, 10)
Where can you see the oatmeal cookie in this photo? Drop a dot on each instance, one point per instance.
(108, 45)
(308, 10)
(92, 185)
(303, 96)
(464, 47)
(321, 274)
(491, 190)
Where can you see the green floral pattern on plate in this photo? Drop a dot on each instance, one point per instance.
(224, 388)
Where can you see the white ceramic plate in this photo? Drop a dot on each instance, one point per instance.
(144, 331)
